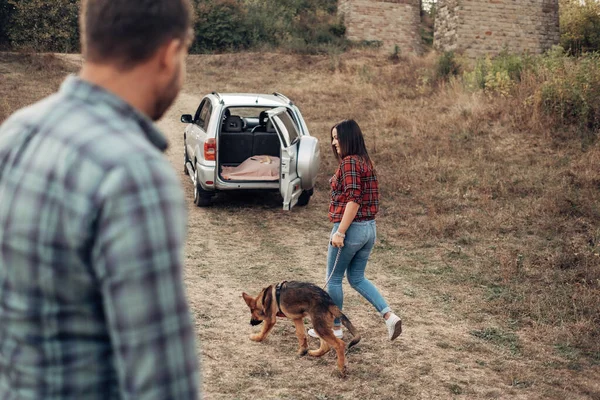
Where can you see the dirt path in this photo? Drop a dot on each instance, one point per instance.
(449, 348)
(244, 243)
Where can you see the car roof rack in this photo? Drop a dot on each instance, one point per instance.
(218, 97)
(283, 97)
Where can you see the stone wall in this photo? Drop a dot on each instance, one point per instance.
(391, 22)
(447, 21)
(480, 27)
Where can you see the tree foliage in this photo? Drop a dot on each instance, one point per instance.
(306, 25)
(42, 25)
(580, 25)
(220, 25)
(5, 15)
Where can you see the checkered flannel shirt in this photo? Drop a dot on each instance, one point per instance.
(92, 228)
(354, 180)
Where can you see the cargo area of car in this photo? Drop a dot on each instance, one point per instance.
(248, 149)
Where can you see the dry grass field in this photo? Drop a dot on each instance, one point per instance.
(488, 236)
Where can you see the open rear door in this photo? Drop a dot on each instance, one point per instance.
(289, 182)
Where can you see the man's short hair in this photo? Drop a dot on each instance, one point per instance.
(128, 32)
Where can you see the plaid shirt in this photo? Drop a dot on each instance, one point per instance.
(356, 181)
(92, 229)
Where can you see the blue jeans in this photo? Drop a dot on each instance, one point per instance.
(359, 241)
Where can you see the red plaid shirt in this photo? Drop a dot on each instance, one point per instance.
(354, 180)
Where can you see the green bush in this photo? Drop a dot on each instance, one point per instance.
(221, 25)
(580, 26)
(446, 66)
(41, 25)
(306, 26)
(563, 88)
(268, 22)
(498, 74)
(570, 91)
(5, 16)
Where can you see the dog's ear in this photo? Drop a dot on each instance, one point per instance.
(249, 300)
(267, 298)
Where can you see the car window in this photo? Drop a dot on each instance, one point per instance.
(287, 127)
(205, 114)
(199, 110)
(248, 112)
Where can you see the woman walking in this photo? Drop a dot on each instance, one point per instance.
(354, 204)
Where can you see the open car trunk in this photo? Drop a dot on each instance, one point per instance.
(268, 152)
(248, 154)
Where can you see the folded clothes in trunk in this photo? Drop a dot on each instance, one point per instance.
(255, 168)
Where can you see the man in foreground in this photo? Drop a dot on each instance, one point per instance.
(92, 221)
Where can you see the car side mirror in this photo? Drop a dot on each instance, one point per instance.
(187, 119)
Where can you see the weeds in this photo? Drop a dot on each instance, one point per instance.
(396, 54)
(447, 66)
(497, 337)
(561, 92)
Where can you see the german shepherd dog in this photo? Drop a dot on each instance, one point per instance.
(296, 300)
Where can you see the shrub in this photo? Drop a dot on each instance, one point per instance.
(559, 88)
(446, 66)
(220, 25)
(570, 92)
(496, 75)
(427, 25)
(5, 15)
(41, 25)
(315, 27)
(305, 26)
(580, 26)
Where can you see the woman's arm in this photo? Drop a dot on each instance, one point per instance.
(347, 218)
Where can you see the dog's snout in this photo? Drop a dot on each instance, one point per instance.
(255, 322)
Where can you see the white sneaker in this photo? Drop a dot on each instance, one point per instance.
(337, 332)
(394, 326)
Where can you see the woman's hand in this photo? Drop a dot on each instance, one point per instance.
(337, 241)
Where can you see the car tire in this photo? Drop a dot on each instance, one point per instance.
(202, 198)
(305, 197)
(185, 159)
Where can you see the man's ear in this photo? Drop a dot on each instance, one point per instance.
(249, 300)
(168, 55)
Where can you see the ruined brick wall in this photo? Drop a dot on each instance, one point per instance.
(392, 22)
(447, 21)
(480, 27)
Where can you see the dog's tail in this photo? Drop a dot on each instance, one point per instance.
(346, 322)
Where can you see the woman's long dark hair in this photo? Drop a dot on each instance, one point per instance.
(351, 141)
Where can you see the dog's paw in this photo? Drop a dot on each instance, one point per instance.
(343, 373)
(302, 351)
(256, 338)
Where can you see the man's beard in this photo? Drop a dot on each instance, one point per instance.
(166, 98)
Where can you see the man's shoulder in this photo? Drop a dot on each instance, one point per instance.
(32, 114)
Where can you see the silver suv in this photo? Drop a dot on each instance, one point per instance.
(240, 141)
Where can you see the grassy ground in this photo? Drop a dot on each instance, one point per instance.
(487, 238)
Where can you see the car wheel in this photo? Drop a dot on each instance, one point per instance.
(305, 197)
(185, 159)
(202, 198)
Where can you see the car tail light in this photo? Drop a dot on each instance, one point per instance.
(210, 149)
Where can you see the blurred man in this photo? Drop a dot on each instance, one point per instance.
(92, 221)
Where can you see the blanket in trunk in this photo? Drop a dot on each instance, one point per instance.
(255, 168)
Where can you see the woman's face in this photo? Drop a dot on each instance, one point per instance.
(334, 141)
